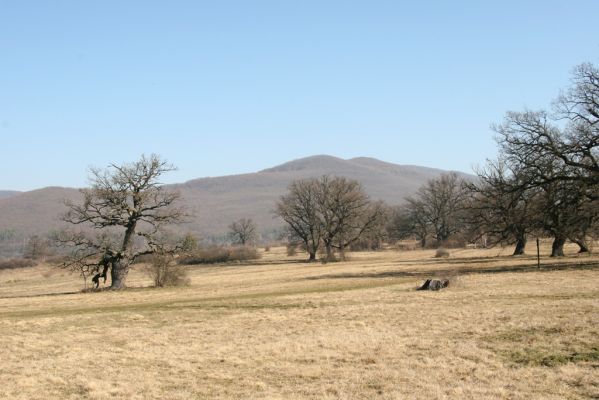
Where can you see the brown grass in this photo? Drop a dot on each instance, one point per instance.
(281, 328)
(220, 254)
(14, 263)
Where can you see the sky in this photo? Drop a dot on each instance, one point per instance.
(227, 87)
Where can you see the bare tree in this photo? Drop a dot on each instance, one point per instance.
(564, 189)
(559, 155)
(579, 106)
(527, 137)
(565, 213)
(587, 225)
(409, 221)
(440, 202)
(243, 231)
(377, 234)
(346, 213)
(332, 211)
(36, 247)
(130, 208)
(500, 207)
(299, 209)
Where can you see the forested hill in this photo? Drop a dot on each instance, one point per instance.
(218, 201)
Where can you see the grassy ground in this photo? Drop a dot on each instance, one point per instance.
(280, 328)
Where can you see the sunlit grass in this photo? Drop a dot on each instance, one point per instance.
(280, 328)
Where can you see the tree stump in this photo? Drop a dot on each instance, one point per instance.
(434, 284)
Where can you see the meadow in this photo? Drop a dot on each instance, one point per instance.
(279, 328)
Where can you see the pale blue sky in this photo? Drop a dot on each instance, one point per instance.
(229, 87)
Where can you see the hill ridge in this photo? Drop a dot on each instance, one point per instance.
(217, 201)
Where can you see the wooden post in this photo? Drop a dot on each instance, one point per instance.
(538, 254)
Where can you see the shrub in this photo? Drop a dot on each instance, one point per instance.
(164, 271)
(189, 243)
(14, 263)
(441, 253)
(216, 254)
(243, 253)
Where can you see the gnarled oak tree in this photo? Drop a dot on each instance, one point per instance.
(129, 207)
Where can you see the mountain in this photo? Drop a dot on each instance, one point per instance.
(36, 211)
(216, 202)
(8, 193)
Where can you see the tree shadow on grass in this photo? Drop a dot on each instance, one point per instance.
(531, 267)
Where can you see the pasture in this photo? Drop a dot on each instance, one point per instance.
(279, 328)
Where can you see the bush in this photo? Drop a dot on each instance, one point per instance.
(441, 253)
(189, 243)
(14, 263)
(164, 271)
(216, 254)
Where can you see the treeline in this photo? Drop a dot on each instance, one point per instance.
(20, 251)
(546, 178)
(545, 182)
(12, 243)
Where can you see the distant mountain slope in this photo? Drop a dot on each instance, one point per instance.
(8, 193)
(216, 202)
(36, 211)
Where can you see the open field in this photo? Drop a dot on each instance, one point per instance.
(281, 328)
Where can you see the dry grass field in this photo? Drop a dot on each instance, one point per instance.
(279, 328)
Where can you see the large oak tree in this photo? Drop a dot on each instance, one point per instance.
(500, 207)
(127, 208)
(558, 152)
(332, 212)
(440, 204)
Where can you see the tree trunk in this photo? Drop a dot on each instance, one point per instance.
(583, 246)
(557, 248)
(342, 252)
(520, 245)
(423, 242)
(329, 252)
(312, 256)
(118, 274)
(442, 238)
